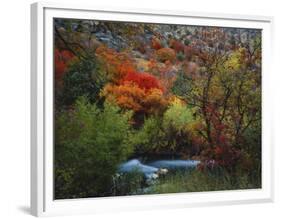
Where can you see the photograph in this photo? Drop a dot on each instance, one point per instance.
(154, 108)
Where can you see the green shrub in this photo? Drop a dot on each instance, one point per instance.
(167, 134)
(89, 145)
(84, 78)
(182, 85)
(180, 56)
(128, 183)
(187, 42)
(151, 136)
(178, 116)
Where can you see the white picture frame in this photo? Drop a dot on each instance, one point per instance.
(42, 202)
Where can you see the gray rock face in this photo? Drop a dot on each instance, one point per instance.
(115, 42)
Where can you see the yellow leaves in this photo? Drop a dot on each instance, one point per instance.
(142, 64)
(175, 99)
(216, 91)
(178, 115)
(236, 60)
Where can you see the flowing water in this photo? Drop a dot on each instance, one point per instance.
(152, 169)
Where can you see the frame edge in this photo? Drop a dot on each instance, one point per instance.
(36, 152)
(37, 125)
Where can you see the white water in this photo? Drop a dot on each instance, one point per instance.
(136, 165)
(152, 169)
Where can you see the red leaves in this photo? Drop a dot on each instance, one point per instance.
(213, 115)
(226, 156)
(156, 43)
(177, 46)
(144, 81)
(220, 156)
(218, 151)
(188, 52)
(62, 57)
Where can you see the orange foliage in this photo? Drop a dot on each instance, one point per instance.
(127, 96)
(166, 54)
(130, 96)
(140, 92)
(116, 64)
(155, 102)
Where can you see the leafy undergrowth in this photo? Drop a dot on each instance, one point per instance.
(197, 181)
(184, 181)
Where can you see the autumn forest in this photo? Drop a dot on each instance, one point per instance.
(155, 108)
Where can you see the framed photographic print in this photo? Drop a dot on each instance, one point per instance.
(139, 109)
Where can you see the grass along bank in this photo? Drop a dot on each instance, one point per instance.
(198, 181)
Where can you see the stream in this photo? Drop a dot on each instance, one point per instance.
(153, 169)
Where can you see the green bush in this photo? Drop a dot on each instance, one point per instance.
(90, 143)
(178, 116)
(182, 85)
(187, 41)
(128, 183)
(167, 134)
(84, 78)
(151, 136)
(180, 56)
